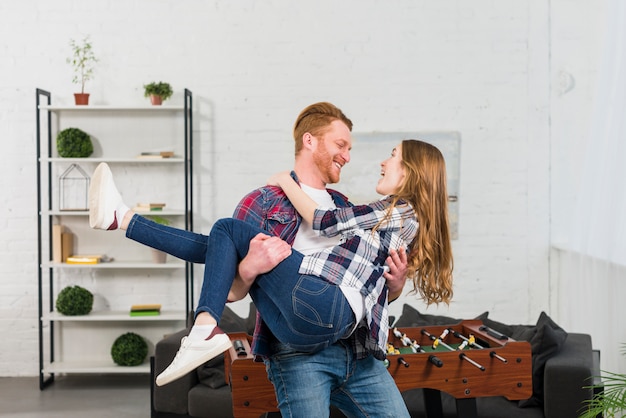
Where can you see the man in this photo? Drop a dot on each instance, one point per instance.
(344, 374)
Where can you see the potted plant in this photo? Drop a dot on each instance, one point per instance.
(158, 92)
(74, 300)
(82, 61)
(158, 256)
(129, 350)
(74, 143)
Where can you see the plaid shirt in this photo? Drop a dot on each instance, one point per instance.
(269, 208)
(359, 259)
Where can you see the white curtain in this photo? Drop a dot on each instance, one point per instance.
(599, 220)
(592, 261)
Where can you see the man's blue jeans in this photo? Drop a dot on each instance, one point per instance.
(305, 383)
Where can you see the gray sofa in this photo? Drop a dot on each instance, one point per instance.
(564, 364)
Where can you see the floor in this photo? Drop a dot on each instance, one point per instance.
(93, 396)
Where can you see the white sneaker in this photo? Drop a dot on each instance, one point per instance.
(104, 199)
(193, 354)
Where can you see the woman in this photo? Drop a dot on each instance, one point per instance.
(414, 185)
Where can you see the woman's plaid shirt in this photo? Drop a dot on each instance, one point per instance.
(359, 260)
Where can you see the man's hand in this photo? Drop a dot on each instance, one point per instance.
(264, 254)
(396, 276)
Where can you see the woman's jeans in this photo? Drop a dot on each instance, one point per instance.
(306, 313)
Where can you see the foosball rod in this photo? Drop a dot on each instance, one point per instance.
(462, 355)
(416, 348)
(492, 354)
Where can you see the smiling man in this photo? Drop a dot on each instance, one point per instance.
(344, 374)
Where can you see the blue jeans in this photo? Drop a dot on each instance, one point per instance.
(304, 312)
(306, 384)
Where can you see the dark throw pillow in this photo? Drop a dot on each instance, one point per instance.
(411, 317)
(231, 322)
(546, 340)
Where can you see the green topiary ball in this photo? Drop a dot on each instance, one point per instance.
(74, 300)
(129, 349)
(74, 143)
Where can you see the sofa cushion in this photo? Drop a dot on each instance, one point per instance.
(231, 322)
(411, 317)
(546, 339)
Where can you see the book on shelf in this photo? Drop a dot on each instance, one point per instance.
(88, 259)
(149, 207)
(145, 313)
(156, 154)
(57, 243)
(146, 307)
(67, 244)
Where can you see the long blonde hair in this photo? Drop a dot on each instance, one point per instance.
(430, 261)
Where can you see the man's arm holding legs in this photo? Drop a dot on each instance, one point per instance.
(265, 253)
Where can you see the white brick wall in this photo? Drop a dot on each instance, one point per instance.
(483, 68)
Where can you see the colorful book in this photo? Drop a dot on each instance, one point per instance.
(88, 259)
(146, 307)
(145, 313)
(83, 259)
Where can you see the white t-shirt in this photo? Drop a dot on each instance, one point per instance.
(309, 241)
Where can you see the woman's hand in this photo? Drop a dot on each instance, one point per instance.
(396, 277)
(279, 178)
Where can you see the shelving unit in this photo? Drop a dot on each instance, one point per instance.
(81, 344)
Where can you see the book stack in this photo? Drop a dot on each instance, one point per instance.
(153, 309)
(149, 207)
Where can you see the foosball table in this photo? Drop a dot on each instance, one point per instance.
(466, 360)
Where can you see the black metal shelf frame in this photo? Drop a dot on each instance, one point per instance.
(44, 98)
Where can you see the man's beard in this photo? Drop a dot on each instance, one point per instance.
(324, 163)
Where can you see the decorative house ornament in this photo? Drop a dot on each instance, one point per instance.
(74, 189)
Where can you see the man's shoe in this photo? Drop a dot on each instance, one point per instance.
(104, 199)
(193, 354)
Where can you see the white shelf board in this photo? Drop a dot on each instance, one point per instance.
(125, 160)
(119, 265)
(118, 316)
(86, 213)
(87, 108)
(94, 367)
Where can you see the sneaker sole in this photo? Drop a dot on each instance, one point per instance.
(225, 344)
(100, 176)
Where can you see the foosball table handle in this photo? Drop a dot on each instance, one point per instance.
(493, 333)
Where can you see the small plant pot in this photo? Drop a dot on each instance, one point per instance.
(156, 100)
(158, 257)
(81, 98)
